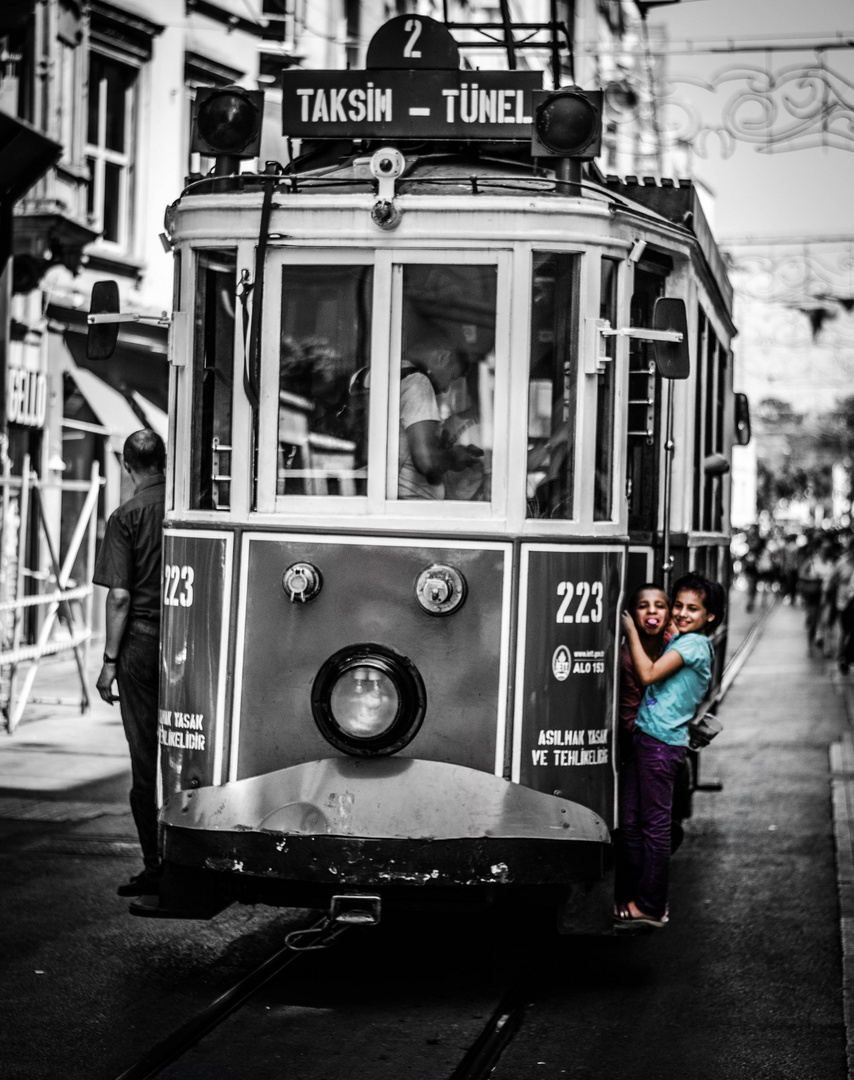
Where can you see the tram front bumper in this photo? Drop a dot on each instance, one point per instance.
(384, 821)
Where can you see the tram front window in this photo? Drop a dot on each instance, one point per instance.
(552, 392)
(323, 380)
(447, 381)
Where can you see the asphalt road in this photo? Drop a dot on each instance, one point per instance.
(745, 982)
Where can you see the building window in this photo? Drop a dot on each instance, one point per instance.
(109, 144)
(286, 19)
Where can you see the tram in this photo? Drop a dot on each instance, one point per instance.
(440, 393)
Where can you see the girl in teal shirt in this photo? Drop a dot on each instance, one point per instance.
(675, 684)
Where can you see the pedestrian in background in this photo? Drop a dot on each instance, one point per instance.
(129, 565)
(839, 594)
(812, 573)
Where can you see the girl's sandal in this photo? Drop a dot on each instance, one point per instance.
(623, 917)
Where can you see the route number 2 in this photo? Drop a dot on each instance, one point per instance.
(178, 585)
(580, 594)
(414, 28)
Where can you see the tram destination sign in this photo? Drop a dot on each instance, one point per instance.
(387, 104)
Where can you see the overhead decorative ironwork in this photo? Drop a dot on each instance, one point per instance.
(799, 106)
(801, 274)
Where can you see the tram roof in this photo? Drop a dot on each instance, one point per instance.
(457, 169)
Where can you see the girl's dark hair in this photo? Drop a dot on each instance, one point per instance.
(714, 598)
(633, 599)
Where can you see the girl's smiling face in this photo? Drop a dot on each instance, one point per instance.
(651, 612)
(689, 613)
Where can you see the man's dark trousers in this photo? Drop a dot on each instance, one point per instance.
(137, 675)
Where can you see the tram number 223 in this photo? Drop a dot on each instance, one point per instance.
(581, 601)
(178, 585)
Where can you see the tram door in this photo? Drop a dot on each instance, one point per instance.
(644, 415)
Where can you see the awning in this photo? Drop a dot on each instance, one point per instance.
(157, 419)
(25, 156)
(111, 408)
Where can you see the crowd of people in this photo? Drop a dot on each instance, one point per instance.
(813, 568)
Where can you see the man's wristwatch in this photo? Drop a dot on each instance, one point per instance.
(110, 659)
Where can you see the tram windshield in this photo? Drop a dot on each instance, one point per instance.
(323, 380)
(447, 380)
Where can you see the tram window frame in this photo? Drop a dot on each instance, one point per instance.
(566, 331)
(212, 397)
(644, 455)
(604, 451)
(311, 506)
(307, 385)
(709, 421)
(495, 377)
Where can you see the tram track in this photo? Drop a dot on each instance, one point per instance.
(495, 1035)
(476, 1063)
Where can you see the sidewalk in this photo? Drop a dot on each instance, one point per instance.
(57, 750)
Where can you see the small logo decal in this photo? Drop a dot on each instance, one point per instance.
(561, 663)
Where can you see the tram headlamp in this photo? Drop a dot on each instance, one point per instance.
(227, 121)
(368, 699)
(567, 123)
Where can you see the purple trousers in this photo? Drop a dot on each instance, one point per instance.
(646, 801)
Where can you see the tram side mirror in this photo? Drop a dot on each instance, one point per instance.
(102, 336)
(671, 357)
(742, 420)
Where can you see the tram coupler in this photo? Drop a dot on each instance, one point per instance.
(355, 909)
(710, 785)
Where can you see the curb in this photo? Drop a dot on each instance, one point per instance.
(842, 799)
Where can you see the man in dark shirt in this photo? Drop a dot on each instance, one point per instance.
(129, 565)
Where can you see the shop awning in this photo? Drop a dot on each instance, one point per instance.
(25, 156)
(112, 409)
(157, 419)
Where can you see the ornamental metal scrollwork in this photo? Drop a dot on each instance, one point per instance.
(796, 276)
(796, 107)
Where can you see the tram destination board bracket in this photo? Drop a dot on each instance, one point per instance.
(493, 106)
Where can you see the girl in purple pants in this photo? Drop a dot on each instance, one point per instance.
(675, 685)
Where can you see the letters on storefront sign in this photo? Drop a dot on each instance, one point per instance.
(26, 397)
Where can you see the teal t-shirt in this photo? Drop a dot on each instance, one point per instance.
(668, 705)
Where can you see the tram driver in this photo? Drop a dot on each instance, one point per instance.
(430, 453)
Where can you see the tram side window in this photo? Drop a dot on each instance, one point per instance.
(709, 426)
(213, 374)
(447, 381)
(603, 500)
(552, 392)
(324, 382)
(642, 464)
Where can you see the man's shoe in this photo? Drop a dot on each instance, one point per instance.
(146, 904)
(142, 884)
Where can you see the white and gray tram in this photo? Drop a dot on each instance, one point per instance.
(429, 420)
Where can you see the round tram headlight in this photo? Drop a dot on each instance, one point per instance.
(368, 699)
(228, 121)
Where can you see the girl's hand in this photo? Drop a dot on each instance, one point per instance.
(628, 622)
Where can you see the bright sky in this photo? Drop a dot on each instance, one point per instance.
(798, 193)
(793, 192)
